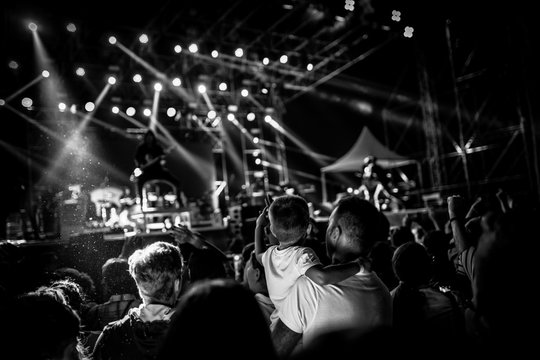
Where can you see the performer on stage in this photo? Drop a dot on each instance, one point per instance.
(373, 188)
(150, 163)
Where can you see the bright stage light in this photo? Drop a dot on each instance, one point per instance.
(283, 59)
(13, 65)
(215, 54)
(267, 118)
(62, 107)
(147, 112)
(111, 80)
(266, 61)
(222, 86)
(255, 140)
(89, 106)
(71, 27)
(171, 112)
(176, 82)
(230, 117)
(32, 26)
(201, 89)
(193, 48)
(130, 111)
(264, 91)
(251, 116)
(112, 40)
(211, 115)
(258, 161)
(309, 67)
(115, 109)
(26, 102)
(177, 49)
(80, 71)
(2, 102)
(239, 52)
(137, 78)
(73, 109)
(244, 92)
(158, 87)
(143, 38)
(45, 73)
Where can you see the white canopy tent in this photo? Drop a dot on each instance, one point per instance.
(366, 145)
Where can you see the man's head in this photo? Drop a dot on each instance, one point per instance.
(157, 272)
(289, 218)
(353, 229)
(116, 279)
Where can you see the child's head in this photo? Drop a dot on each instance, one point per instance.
(289, 218)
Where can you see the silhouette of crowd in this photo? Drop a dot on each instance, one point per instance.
(460, 288)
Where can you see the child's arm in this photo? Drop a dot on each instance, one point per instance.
(333, 274)
(262, 222)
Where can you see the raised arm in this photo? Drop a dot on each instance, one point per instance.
(262, 222)
(457, 221)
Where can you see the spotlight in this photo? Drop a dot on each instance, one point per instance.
(137, 78)
(2, 102)
(71, 27)
(89, 106)
(230, 117)
(223, 86)
(177, 49)
(111, 80)
(239, 52)
(201, 89)
(80, 71)
(264, 91)
(244, 92)
(255, 140)
(112, 40)
(211, 115)
(283, 59)
(147, 112)
(177, 82)
(62, 107)
(158, 87)
(130, 111)
(258, 161)
(193, 48)
(26, 102)
(143, 38)
(266, 61)
(215, 54)
(309, 67)
(115, 110)
(251, 116)
(13, 65)
(45, 73)
(267, 118)
(73, 109)
(171, 112)
(32, 26)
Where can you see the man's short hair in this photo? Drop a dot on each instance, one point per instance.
(155, 269)
(290, 215)
(359, 221)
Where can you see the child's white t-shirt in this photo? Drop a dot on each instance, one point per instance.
(283, 267)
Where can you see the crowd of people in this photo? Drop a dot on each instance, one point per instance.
(460, 289)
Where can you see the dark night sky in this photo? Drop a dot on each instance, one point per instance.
(493, 52)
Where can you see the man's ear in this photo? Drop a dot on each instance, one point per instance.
(309, 228)
(335, 232)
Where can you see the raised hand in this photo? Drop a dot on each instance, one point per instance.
(182, 234)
